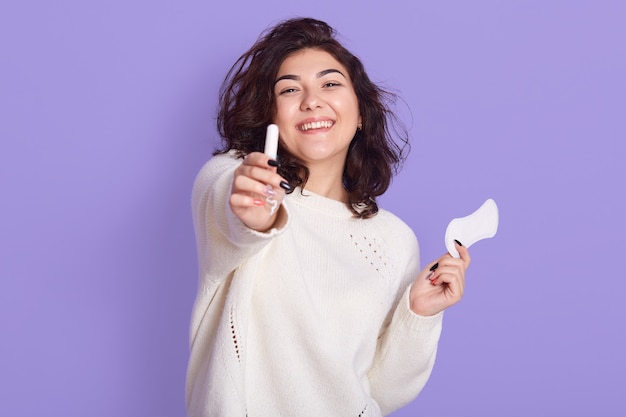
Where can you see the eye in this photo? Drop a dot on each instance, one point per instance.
(332, 84)
(289, 90)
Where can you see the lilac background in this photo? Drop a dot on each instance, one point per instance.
(107, 113)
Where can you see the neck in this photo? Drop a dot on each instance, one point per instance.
(327, 182)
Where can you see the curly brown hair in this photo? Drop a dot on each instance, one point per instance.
(247, 104)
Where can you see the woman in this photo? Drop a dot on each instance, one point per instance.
(317, 308)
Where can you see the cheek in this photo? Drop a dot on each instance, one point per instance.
(351, 111)
(349, 104)
(284, 120)
(284, 111)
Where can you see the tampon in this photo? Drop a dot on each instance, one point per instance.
(271, 141)
(271, 148)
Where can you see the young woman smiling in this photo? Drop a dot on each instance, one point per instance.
(318, 308)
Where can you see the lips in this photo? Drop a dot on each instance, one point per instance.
(318, 124)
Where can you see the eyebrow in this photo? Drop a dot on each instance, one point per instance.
(318, 75)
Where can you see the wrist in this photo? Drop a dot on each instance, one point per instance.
(418, 305)
(276, 221)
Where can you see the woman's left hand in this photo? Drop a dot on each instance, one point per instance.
(440, 284)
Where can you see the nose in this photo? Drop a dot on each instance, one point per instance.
(311, 100)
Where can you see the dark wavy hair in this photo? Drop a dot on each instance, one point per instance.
(247, 105)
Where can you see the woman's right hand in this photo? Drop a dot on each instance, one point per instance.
(255, 185)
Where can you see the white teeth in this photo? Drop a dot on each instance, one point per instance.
(316, 125)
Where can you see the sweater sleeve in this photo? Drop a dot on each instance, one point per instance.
(405, 357)
(407, 345)
(222, 240)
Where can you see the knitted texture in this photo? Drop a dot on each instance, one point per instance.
(309, 320)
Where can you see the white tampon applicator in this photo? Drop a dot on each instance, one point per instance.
(271, 149)
(271, 141)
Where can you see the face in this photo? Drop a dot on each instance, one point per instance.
(317, 111)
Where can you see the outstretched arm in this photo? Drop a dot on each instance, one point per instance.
(257, 191)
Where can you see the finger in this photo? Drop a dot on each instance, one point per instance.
(261, 160)
(454, 288)
(446, 274)
(245, 201)
(450, 267)
(443, 261)
(246, 185)
(463, 253)
(430, 269)
(263, 175)
(453, 285)
(447, 260)
(243, 184)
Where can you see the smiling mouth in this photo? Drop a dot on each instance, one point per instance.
(325, 124)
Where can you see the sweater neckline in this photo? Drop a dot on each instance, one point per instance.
(319, 203)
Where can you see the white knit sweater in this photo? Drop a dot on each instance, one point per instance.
(310, 320)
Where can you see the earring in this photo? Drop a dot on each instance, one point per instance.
(359, 126)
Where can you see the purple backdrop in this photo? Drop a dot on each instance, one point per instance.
(107, 112)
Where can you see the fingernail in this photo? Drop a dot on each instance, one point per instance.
(269, 191)
(285, 186)
(433, 282)
(273, 163)
(258, 202)
(435, 266)
(458, 243)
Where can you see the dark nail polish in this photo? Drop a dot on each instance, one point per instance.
(435, 266)
(458, 243)
(285, 186)
(273, 163)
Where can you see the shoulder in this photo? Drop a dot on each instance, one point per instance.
(214, 168)
(396, 232)
(394, 223)
(219, 163)
(401, 246)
